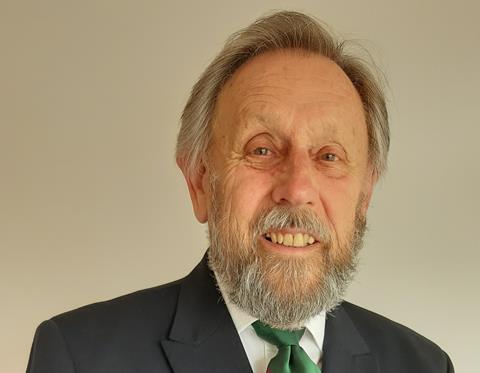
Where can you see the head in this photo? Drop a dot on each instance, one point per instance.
(282, 141)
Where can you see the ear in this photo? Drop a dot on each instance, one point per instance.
(196, 182)
(370, 182)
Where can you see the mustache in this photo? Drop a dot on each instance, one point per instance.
(282, 217)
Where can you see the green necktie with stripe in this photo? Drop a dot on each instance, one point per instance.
(291, 358)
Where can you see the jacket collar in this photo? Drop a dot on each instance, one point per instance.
(203, 337)
(344, 349)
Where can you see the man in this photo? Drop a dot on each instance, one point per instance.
(282, 141)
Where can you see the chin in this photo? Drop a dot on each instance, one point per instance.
(293, 273)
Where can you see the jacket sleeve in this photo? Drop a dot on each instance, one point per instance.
(49, 352)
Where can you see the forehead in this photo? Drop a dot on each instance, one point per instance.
(287, 87)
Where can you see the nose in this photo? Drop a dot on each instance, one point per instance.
(296, 184)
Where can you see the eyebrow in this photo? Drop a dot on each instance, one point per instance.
(269, 121)
(262, 123)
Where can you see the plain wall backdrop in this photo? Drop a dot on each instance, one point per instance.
(92, 205)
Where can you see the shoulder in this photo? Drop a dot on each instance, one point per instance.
(395, 344)
(374, 327)
(147, 312)
(114, 335)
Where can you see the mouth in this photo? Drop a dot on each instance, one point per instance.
(290, 239)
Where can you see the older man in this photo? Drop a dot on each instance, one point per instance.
(282, 141)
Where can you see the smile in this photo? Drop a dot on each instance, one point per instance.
(290, 239)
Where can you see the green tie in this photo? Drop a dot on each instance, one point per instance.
(291, 358)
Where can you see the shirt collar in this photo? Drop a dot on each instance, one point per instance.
(242, 320)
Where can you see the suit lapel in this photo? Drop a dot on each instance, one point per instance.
(344, 349)
(203, 337)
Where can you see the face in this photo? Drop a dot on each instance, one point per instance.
(286, 186)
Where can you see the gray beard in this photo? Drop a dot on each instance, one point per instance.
(283, 292)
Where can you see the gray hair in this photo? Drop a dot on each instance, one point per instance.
(280, 30)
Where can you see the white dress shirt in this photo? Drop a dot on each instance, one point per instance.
(260, 352)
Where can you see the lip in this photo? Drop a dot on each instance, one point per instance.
(288, 250)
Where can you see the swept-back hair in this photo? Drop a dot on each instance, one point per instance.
(281, 30)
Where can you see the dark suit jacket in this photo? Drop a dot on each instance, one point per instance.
(184, 326)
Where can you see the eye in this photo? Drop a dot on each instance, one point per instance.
(329, 157)
(262, 151)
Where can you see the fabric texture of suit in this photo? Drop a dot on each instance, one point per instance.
(185, 327)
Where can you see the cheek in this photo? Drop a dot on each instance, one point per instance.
(339, 200)
(246, 192)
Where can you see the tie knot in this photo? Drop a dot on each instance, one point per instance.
(278, 337)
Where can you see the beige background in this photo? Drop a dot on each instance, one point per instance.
(92, 205)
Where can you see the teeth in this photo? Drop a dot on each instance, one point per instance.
(288, 239)
(279, 238)
(298, 240)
